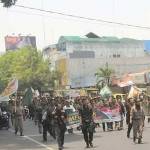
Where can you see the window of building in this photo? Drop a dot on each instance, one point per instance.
(114, 55)
(63, 46)
(118, 55)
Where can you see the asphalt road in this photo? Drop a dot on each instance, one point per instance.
(102, 140)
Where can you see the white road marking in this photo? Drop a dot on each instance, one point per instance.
(34, 135)
(35, 141)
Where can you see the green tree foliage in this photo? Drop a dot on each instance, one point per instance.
(104, 75)
(8, 3)
(28, 66)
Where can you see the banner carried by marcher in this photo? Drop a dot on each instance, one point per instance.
(105, 114)
(11, 88)
(73, 120)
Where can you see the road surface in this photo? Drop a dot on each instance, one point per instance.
(114, 140)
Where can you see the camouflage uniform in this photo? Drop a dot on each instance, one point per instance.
(59, 126)
(19, 115)
(138, 123)
(86, 114)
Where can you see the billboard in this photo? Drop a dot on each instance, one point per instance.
(16, 42)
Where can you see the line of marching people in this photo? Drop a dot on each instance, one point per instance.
(53, 119)
(49, 114)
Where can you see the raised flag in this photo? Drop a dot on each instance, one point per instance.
(105, 92)
(124, 84)
(27, 99)
(36, 93)
(134, 92)
(11, 88)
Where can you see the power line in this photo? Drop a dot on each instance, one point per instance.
(85, 18)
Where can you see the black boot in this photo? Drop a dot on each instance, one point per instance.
(16, 132)
(139, 140)
(87, 145)
(134, 139)
(128, 135)
(21, 134)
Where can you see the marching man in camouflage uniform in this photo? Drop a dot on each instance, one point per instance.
(59, 118)
(19, 117)
(137, 117)
(87, 123)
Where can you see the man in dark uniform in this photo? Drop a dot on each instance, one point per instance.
(87, 123)
(129, 104)
(47, 122)
(39, 117)
(59, 125)
(122, 111)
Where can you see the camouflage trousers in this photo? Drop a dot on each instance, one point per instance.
(18, 124)
(138, 128)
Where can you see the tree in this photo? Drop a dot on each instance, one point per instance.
(28, 66)
(104, 75)
(8, 3)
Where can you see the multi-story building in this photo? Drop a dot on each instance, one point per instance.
(84, 55)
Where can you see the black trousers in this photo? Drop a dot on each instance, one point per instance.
(87, 133)
(129, 129)
(47, 127)
(60, 134)
(109, 126)
(148, 119)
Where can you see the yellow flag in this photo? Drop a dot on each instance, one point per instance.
(134, 92)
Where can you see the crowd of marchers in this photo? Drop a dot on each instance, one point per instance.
(50, 115)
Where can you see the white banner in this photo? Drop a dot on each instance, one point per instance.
(11, 88)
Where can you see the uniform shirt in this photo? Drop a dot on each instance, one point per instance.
(59, 117)
(19, 111)
(86, 114)
(137, 114)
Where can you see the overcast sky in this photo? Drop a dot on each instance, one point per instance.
(49, 27)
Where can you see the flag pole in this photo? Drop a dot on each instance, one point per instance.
(15, 101)
(16, 93)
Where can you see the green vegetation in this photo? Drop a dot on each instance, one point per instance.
(103, 76)
(29, 67)
(8, 3)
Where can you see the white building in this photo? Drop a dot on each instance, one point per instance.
(85, 55)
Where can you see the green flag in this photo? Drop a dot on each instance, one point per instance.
(27, 99)
(105, 92)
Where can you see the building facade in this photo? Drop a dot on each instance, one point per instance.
(83, 56)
